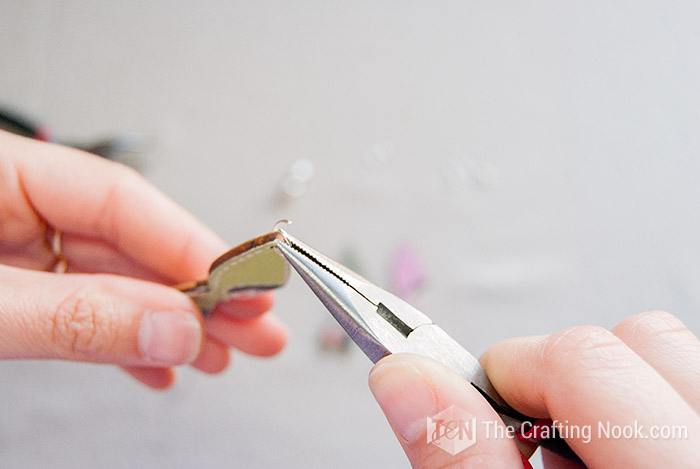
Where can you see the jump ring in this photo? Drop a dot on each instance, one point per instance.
(55, 242)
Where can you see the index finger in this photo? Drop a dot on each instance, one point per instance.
(78, 193)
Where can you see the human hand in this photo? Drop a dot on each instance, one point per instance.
(122, 240)
(643, 375)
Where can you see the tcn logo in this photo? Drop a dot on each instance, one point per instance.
(452, 430)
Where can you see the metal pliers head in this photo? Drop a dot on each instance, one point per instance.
(379, 322)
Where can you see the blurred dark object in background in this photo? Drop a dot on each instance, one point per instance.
(126, 148)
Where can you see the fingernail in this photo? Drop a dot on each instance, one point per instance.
(170, 337)
(404, 395)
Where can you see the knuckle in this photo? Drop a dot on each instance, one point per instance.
(655, 329)
(81, 325)
(582, 346)
(20, 223)
(650, 323)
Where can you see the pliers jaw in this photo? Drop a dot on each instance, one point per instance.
(378, 321)
(345, 294)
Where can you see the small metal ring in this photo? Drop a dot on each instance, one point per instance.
(280, 224)
(54, 239)
(278, 227)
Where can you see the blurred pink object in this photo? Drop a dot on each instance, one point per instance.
(407, 274)
(333, 339)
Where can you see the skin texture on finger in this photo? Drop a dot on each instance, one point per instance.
(21, 226)
(214, 357)
(85, 255)
(587, 377)
(46, 182)
(246, 308)
(263, 336)
(35, 254)
(92, 256)
(156, 378)
(664, 342)
(411, 388)
(97, 318)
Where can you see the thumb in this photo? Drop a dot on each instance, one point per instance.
(412, 390)
(95, 318)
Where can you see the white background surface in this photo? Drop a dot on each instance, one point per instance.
(543, 161)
